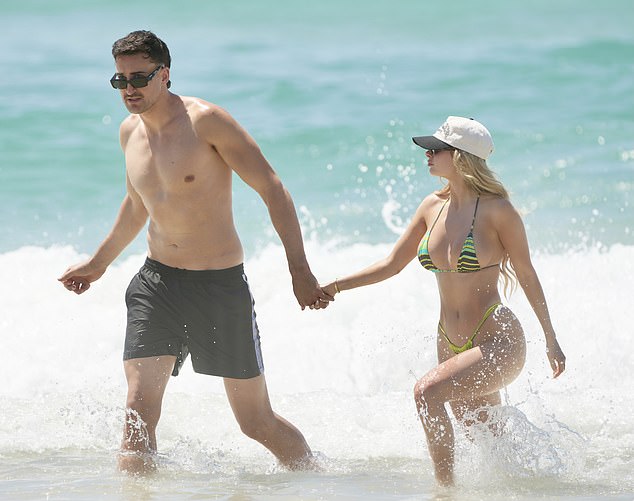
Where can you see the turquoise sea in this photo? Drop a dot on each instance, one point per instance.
(332, 91)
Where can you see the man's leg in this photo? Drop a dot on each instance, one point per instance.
(147, 379)
(249, 400)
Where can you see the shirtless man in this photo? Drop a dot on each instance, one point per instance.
(191, 295)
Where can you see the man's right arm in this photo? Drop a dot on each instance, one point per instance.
(130, 220)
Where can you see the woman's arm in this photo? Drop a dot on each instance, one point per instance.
(512, 235)
(403, 252)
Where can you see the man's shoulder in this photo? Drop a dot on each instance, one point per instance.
(198, 108)
(130, 122)
(128, 125)
(208, 117)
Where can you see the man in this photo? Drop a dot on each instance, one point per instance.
(191, 295)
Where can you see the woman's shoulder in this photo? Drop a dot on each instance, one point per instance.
(430, 206)
(496, 202)
(497, 208)
(434, 198)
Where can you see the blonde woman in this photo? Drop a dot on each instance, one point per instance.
(469, 235)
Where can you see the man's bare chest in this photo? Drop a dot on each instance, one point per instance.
(170, 164)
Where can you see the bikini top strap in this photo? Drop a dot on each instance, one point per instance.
(475, 212)
(438, 215)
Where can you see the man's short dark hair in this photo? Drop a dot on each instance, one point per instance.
(143, 42)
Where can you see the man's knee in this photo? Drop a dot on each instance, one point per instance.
(256, 427)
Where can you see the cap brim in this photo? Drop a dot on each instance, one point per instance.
(430, 143)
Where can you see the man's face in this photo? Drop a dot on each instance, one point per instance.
(140, 100)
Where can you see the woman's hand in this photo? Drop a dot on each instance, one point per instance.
(556, 357)
(330, 289)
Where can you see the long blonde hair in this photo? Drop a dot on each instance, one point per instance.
(482, 180)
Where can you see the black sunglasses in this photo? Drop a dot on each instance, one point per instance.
(119, 82)
(437, 150)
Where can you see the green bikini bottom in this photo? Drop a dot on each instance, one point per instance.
(469, 344)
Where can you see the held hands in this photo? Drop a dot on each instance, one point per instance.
(308, 292)
(78, 277)
(556, 357)
(331, 289)
(322, 302)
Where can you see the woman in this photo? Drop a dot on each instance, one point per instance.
(469, 235)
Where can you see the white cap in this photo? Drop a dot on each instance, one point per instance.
(464, 134)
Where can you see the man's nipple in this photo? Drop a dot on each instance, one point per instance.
(189, 178)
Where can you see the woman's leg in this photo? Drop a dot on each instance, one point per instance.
(473, 374)
(467, 412)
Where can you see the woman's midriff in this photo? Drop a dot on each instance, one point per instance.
(464, 300)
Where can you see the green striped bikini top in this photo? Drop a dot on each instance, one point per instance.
(467, 261)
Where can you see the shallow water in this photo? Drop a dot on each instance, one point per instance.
(343, 376)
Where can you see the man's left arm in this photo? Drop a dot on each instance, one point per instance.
(241, 153)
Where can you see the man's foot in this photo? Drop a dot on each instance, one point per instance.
(137, 463)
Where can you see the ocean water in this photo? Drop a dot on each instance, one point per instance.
(332, 91)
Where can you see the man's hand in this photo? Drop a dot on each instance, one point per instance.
(308, 292)
(78, 277)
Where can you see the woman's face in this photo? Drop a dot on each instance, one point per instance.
(440, 162)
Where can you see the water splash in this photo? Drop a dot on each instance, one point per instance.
(510, 445)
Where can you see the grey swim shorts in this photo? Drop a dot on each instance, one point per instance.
(208, 314)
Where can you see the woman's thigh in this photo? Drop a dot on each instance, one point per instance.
(466, 411)
(495, 361)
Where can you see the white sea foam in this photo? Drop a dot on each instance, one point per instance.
(343, 375)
